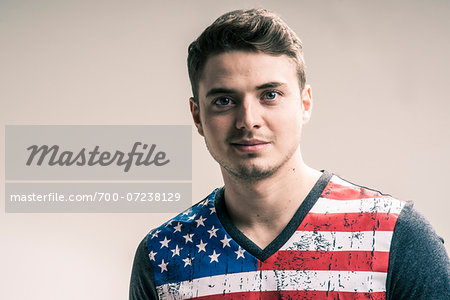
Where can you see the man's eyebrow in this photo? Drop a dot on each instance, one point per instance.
(216, 91)
(273, 84)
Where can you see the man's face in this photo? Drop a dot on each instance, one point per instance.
(251, 111)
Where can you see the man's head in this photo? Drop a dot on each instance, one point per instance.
(251, 99)
(253, 30)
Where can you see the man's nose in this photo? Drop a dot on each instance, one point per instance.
(249, 115)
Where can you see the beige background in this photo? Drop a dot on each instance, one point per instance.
(379, 72)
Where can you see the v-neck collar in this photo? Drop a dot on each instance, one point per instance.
(284, 236)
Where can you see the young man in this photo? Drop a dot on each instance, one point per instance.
(278, 229)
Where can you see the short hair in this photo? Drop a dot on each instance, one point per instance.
(254, 30)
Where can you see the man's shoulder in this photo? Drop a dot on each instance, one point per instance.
(351, 197)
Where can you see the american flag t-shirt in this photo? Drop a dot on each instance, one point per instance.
(340, 250)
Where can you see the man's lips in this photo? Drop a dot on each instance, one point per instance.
(249, 142)
(252, 145)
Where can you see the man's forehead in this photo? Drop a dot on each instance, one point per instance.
(249, 69)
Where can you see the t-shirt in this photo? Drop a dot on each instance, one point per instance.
(344, 242)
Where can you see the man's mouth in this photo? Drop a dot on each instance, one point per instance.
(252, 145)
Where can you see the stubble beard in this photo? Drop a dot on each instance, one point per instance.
(250, 172)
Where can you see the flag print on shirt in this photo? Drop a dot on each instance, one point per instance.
(195, 245)
(339, 251)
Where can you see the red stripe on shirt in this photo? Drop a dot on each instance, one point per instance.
(348, 222)
(336, 191)
(272, 295)
(375, 261)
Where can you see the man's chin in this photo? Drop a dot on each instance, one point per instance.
(250, 173)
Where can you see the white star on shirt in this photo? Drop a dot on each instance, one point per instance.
(205, 202)
(201, 246)
(163, 266)
(155, 234)
(212, 232)
(192, 217)
(225, 241)
(212, 210)
(200, 220)
(165, 243)
(214, 257)
(188, 261)
(187, 212)
(188, 237)
(240, 253)
(169, 223)
(178, 227)
(176, 251)
(152, 255)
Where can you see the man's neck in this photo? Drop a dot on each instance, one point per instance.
(261, 209)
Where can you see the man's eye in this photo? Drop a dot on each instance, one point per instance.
(271, 95)
(223, 101)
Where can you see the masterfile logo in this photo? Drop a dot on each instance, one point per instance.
(97, 168)
(94, 157)
(48, 152)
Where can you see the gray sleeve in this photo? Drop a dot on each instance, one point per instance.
(142, 286)
(419, 266)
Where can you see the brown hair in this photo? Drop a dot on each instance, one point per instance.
(256, 30)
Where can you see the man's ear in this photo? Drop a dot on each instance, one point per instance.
(195, 111)
(307, 103)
